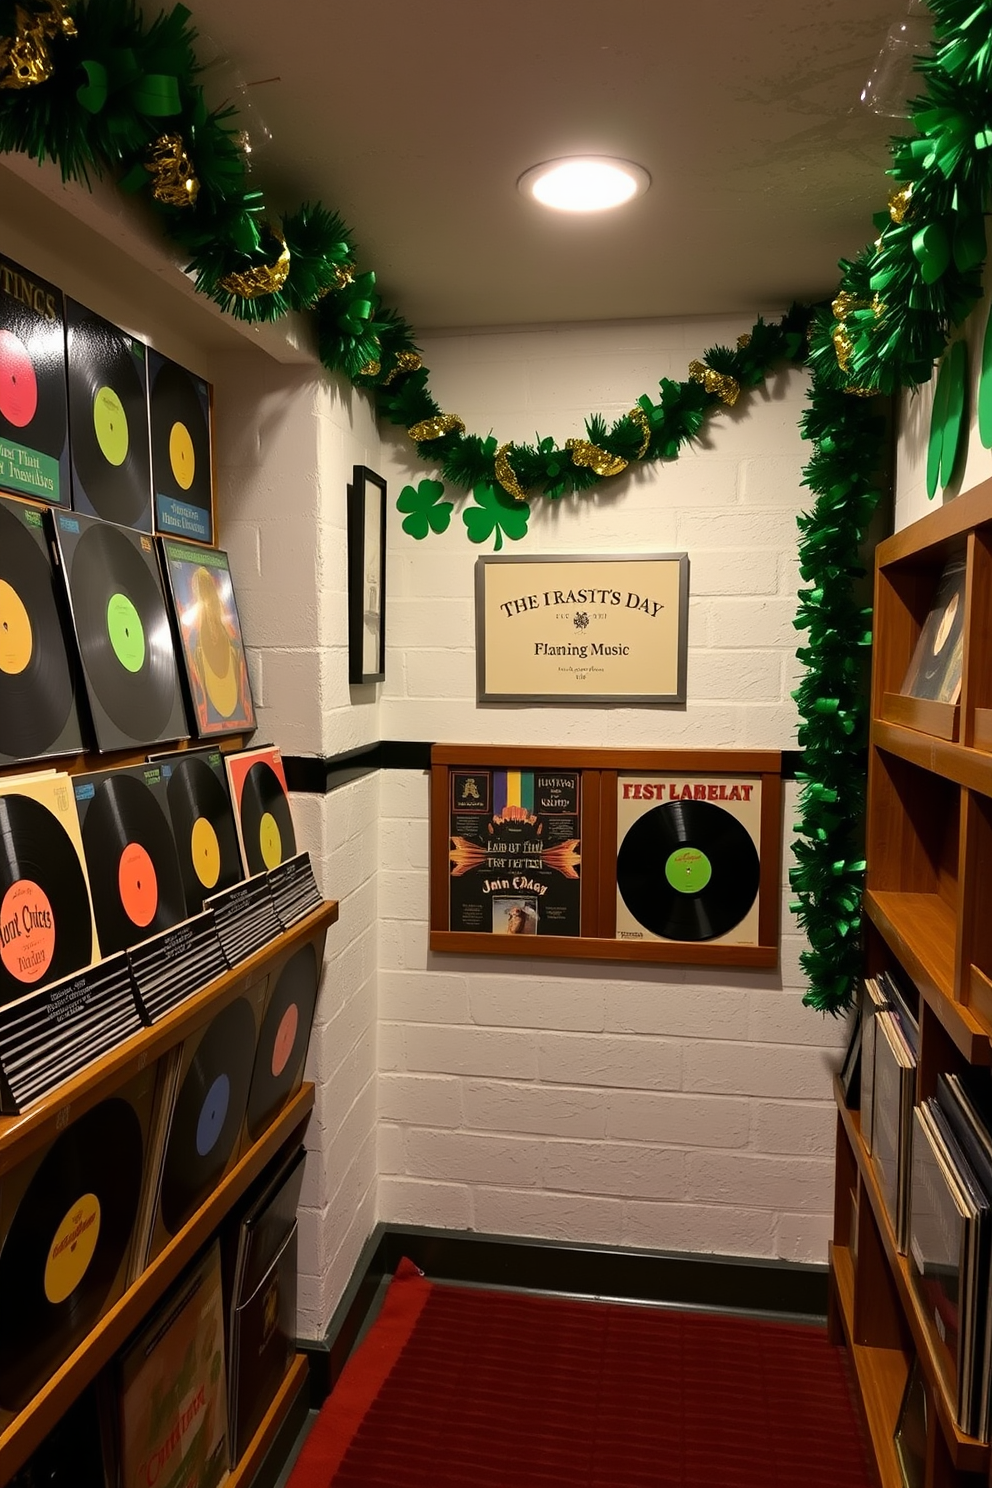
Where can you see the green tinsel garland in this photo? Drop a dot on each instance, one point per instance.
(117, 87)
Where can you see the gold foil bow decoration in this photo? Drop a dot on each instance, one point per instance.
(175, 183)
(25, 59)
(371, 368)
(900, 203)
(596, 458)
(406, 361)
(506, 475)
(639, 417)
(727, 388)
(436, 427)
(250, 284)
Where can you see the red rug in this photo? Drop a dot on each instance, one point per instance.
(456, 1388)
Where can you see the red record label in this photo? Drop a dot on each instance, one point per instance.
(285, 1038)
(27, 931)
(138, 884)
(18, 383)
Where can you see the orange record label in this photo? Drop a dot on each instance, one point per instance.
(269, 840)
(205, 852)
(16, 641)
(285, 1038)
(27, 931)
(138, 884)
(72, 1248)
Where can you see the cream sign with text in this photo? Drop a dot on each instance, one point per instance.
(582, 629)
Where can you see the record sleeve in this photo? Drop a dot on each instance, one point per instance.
(934, 671)
(937, 1247)
(134, 873)
(688, 858)
(261, 808)
(108, 420)
(34, 444)
(515, 851)
(895, 1080)
(67, 1217)
(46, 921)
(38, 667)
(284, 1037)
(210, 647)
(173, 1389)
(202, 823)
(873, 1001)
(123, 632)
(206, 1125)
(182, 450)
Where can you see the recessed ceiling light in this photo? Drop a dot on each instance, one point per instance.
(587, 183)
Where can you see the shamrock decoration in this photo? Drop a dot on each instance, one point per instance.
(428, 513)
(496, 512)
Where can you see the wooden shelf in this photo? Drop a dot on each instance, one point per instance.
(27, 1430)
(966, 1453)
(45, 1118)
(880, 1372)
(282, 1403)
(964, 765)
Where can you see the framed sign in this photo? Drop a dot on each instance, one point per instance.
(582, 628)
(366, 576)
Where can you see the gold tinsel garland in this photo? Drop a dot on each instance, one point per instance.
(506, 475)
(175, 183)
(595, 458)
(436, 427)
(640, 418)
(406, 361)
(727, 388)
(25, 59)
(265, 279)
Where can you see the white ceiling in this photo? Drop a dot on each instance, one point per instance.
(415, 120)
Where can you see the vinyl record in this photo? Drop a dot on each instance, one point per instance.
(180, 437)
(282, 1043)
(209, 1110)
(123, 631)
(266, 822)
(108, 421)
(32, 379)
(36, 687)
(688, 870)
(134, 871)
(65, 1246)
(203, 824)
(45, 927)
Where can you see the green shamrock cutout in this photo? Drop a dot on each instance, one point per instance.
(428, 513)
(496, 512)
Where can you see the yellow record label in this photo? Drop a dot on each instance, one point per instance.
(205, 850)
(181, 456)
(110, 426)
(269, 840)
(71, 1250)
(16, 640)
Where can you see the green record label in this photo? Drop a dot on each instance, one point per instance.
(688, 870)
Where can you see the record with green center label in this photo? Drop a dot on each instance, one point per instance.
(108, 420)
(688, 870)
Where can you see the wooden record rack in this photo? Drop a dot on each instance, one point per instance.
(603, 793)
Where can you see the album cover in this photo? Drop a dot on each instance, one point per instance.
(34, 443)
(935, 669)
(688, 858)
(202, 822)
(873, 1000)
(46, 921)
(284, 1036)
(173, 1389)
(515, 851)
(261, 808)
(210, 647)
(182, 450)
(122, 630)
(67, 1217)
(134, 872)
(38, 667)
(938, 1246)
(108, 420)
(207, 1120)
(895, 1080)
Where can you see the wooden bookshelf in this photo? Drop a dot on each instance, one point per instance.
(927, 918)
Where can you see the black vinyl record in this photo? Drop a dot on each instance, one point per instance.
(263, 802)
(108, 421)
(688, 870)
(65, 1246)
(134, 871)
(123, 630)
(32, 371)
(283, 1040)
(209, 1110)
(36, 683)
(180, 436)
(203, 824)
(39, 863)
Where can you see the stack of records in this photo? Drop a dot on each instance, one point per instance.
(872, 1002)
(892, 1115)
(950, 1229)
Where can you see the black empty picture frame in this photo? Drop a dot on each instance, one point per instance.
(366, 576)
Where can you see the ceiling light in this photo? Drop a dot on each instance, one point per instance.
(587, 183)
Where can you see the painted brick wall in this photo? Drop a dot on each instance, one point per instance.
(680, 1108)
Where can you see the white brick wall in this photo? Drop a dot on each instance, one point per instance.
(684, 1108)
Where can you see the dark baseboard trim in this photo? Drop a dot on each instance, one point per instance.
(317, 775)
(783, 1289)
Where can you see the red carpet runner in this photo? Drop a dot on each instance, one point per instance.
(455, 1388)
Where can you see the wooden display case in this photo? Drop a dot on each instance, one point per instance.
(928, 886)
(40, 1122)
